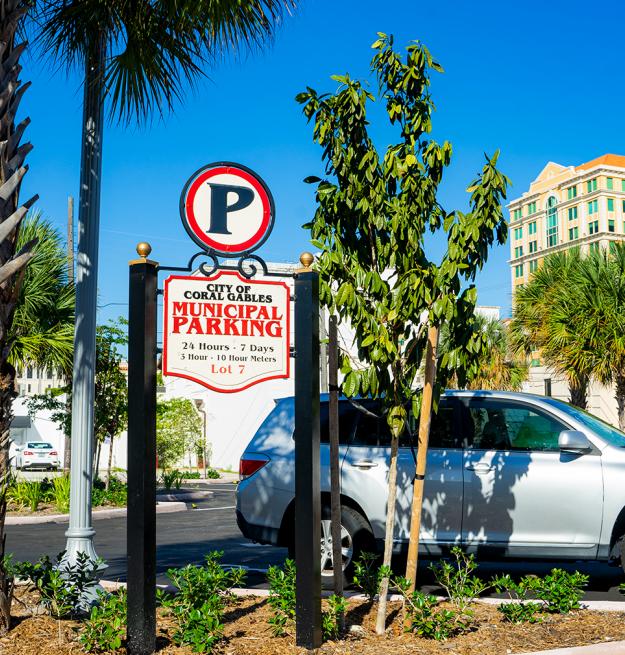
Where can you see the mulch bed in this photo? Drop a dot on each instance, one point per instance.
(248, 633)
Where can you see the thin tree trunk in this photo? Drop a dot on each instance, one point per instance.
(96, 468)
(380, 626)
(579, 393)
(620, 399)
(12, 264)
(110, 463)
(422, 451)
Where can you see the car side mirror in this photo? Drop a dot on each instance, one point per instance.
(574, 441)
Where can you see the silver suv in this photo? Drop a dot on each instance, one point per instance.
(508, 475)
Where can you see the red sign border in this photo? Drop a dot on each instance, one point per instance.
(245, 281)
(189, 219)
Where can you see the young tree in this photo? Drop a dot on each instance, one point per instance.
(178, 430)
(374, 212)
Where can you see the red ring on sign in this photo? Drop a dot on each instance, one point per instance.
(203, 236)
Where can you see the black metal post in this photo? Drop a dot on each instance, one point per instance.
(307, 488)
(141, 536)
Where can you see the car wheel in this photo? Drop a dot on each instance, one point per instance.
(356, 538)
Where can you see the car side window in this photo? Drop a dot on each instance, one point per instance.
(373, 430)
(347, 422)
(499, 425)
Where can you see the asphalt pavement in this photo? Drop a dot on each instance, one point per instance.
(185, 538)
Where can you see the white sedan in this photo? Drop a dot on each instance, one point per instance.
(37, 454)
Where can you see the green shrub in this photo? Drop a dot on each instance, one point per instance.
(212, 474)
(457, 579)
(424, 617)
(198, 605)
(25, 494)
(116, 494)
(105, 628)
(559, 592)
(368, 575)
(282, 597)
(62, 586)
(331, 619)
(172, 479)
(61, 493)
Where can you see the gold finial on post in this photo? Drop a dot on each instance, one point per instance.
(306, 260)
(144, 249)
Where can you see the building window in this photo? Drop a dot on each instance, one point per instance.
(593, 207)
(518, 233)
(573, 233)
(609, 183)
(591, 185)
(610, 204)
(572, 213)
(552, 222)
(531, 208)
(531, 228)
(29, 372)
(611, 225)
(517, 213)
(571, 192)
(622, 185)
(518, 251)
(533, 265)
(533, 246)
(593, 227)
(518, 270)
(624, 206)
(28, 387)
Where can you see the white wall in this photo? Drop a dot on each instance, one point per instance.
(42, 429)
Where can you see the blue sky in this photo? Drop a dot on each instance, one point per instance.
(540, 81)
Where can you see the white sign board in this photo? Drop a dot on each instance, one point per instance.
(224, 331)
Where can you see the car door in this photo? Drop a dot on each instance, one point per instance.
(365, 476)
(522, 495)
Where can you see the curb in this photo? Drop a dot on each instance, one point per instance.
(185, 496)
(608, 648)
(161, 508)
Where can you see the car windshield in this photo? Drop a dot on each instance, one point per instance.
(604, 430)
(39, 444)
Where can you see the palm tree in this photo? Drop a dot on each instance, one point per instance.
(601, 317)
(14, 254)
(141, 55)
(497, 367)
(40, 333)
(546, 319)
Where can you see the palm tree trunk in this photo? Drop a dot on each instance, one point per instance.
(12, 263)
(620, 399)
(579, 393)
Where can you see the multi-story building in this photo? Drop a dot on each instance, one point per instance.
(567, 206)
(31, 380)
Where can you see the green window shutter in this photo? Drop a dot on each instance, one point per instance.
(611, 225)
(610, 182)
(610, 204)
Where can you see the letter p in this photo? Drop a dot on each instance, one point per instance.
(220, 207)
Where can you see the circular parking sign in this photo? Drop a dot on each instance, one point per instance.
(227, 208)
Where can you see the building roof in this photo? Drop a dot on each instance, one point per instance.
(604, 160)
